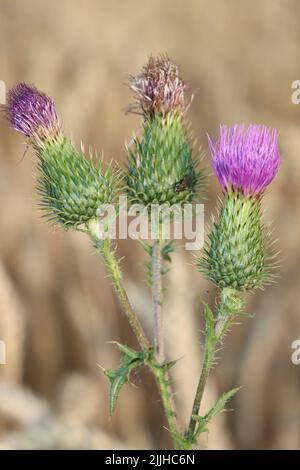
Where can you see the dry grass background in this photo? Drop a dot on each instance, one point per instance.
(57, 310)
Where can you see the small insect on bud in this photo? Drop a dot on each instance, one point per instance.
(245, 162)
(184, 184)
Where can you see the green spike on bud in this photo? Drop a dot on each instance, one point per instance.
(72, 188)
(161, 168)
(237, 253)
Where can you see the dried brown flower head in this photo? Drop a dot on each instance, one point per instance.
(158, 89)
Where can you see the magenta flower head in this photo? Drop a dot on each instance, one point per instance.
(158, 88)
(32, 113)
(245, 159)
(238, 255)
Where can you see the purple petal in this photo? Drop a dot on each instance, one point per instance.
(246, 159)
(30, 110)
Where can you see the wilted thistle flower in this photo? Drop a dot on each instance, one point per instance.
(245, 162)
(159, 88)
(72, 188)
(161, 166)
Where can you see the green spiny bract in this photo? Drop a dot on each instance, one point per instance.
(72, 188)
(161, 167)
(237, 253)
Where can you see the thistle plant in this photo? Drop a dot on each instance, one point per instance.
(162, 169)
(238, 255)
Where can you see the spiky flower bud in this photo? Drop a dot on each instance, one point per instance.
(72, 188)
(245, 162)
(161, 166)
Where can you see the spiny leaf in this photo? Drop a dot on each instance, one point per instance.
(221, 403)
(219, 406)
(120, 376)
(165, 271)
(168, 365)
(115, 388)
(167, 250)
(148, 248)
(127, 351)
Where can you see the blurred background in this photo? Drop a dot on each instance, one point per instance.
(58, 310)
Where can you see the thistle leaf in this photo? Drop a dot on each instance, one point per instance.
(167, 250)
(218, 408)
(148, 248)
(127, 351)
(220, 404)
(120, 376)
(169, 365)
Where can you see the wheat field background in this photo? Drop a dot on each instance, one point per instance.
(57, 308)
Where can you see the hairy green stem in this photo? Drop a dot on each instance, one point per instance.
(161, 375)
(230, 305)
(113, 268)
(209, 353)
(157, 301)
(164, 386)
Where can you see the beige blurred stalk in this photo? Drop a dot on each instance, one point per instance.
(12, 329)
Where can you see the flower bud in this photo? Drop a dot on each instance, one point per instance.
(72, 188)
(245, 163)
(161, 166)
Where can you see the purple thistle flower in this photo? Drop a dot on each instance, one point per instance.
(245, 159)
(159, 88)
(32, 113)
